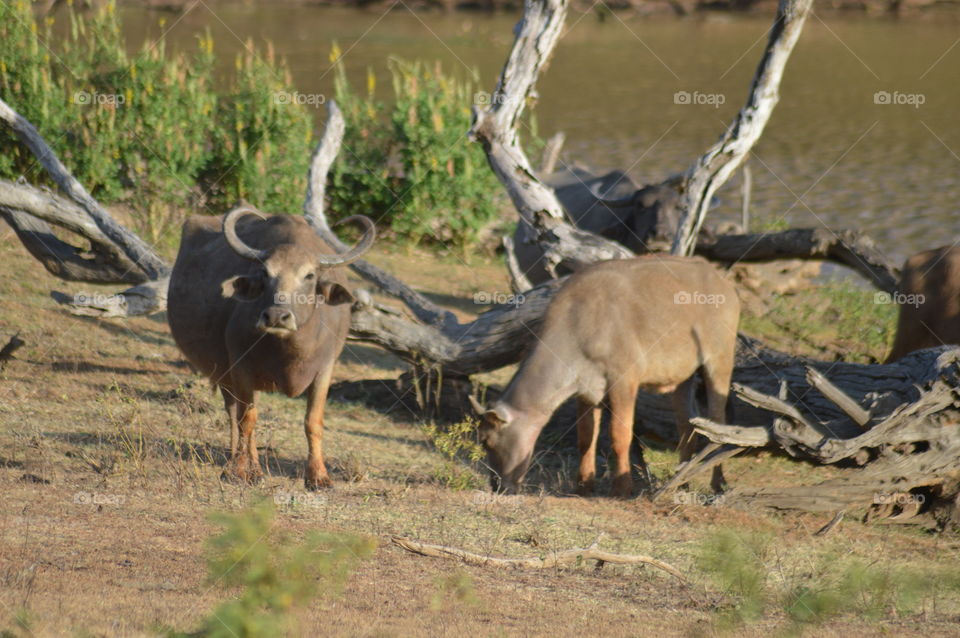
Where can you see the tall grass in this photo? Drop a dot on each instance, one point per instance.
(407, 161)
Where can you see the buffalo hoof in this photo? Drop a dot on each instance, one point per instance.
(585, 488)
(317, 483)
(243, 476)
(622, 487)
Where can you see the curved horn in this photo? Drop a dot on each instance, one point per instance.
(362, 246)
(230, 233)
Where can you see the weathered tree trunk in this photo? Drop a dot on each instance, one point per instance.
(496, 125)
(716, 166)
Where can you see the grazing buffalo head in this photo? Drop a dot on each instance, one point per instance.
(287, 283)
(509, 439)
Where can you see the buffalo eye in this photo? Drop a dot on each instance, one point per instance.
(487, 435)
(242, 288)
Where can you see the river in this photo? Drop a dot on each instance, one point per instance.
(866, 133)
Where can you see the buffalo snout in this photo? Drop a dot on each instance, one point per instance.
(277, 319)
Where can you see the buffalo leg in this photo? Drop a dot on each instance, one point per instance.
(230, 404)
(683, 410)
(316, 476)
(622, 397)
(718, 388)
(588, 428)
(244, 462)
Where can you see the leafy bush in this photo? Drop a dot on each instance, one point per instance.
(142, 130)
(409, 163)
(275, 575)
(263, 140)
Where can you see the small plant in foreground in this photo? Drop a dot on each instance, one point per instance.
(275, 575)
(452, 590)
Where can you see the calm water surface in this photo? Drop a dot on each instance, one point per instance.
(830, 155)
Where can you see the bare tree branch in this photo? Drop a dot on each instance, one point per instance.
(495, 125)
(323, 158)
(715, 167)
(549, 560)
(132, 246)
(64, 260)
(846, 247)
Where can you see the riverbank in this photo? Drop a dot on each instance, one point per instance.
(680, 8)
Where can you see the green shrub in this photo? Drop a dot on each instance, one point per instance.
(148, 130)
(409, 163)
(737, 564)
(263, 140)
(275, 575)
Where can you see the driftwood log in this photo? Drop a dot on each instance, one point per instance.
(549, 560)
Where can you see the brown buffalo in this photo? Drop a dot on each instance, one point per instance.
(612, 329)
(261, 304)
(929, 300)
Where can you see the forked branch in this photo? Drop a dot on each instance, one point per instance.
(715, 167)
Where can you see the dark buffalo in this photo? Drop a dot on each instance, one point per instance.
(262, 305)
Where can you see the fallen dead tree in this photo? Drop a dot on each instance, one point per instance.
(898, 423)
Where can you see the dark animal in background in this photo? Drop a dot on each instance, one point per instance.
(929, 299)
(614, 328)
(261, 304)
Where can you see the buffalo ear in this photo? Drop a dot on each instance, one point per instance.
(242, 288)
(495, 418)
(334, 294)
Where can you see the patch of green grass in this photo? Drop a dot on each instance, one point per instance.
(836, 318)
(454, 589)
(745, 567)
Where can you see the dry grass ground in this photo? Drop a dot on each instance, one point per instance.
(110, 458)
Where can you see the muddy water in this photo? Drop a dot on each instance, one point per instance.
(866, 133)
